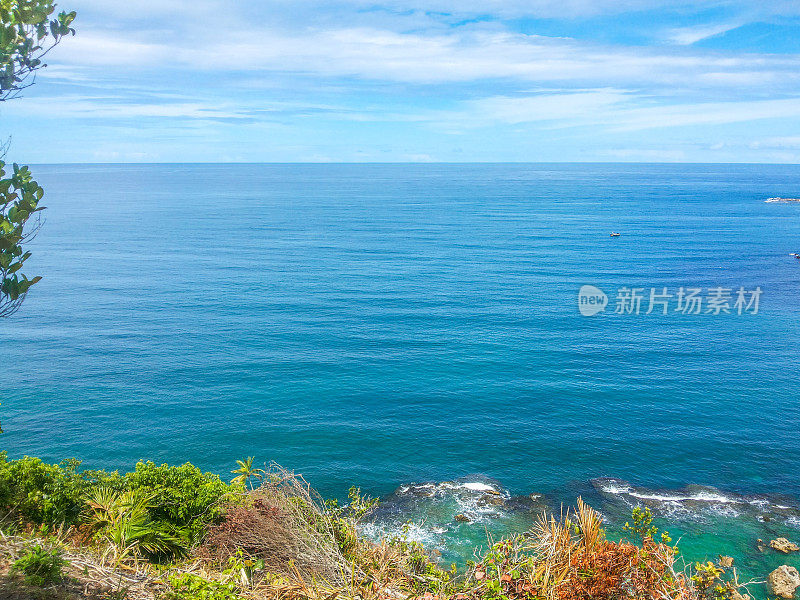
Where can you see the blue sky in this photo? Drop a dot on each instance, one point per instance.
(417, 80)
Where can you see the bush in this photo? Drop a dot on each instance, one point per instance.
(194, 587)
(283, 523)
(182, 500)
(39, 566)
(182, 497)
(42, 493)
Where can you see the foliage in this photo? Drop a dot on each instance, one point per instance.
(283, 523)
(40, 566)
(712, 582)
(281, 540)
(421, 573)
(124, 522)
(570, 559)
(344, 518)
(193, 587)
(154, 511)
(19, 206)
(183, 497)
(246, 472)
(643, 525)
(41, 492)
(27, 34)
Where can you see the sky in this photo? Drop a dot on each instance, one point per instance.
(417, 81)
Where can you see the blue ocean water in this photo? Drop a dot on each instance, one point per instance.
(385, 324)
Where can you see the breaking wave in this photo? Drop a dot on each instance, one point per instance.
(694, 500)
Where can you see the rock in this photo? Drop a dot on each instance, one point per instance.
(735, 595)
(488, 500)
(760, 545)
(783, 581)
(784, 545)
(726, 562)
(462, 518)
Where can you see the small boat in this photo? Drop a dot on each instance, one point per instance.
(795, 255)
(615, 234)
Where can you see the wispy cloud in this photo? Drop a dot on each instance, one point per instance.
(686, 36)
(401, 78)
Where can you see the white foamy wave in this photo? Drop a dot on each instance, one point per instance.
(692, 501)
(478, 487)
(409, 531)
(701, 497)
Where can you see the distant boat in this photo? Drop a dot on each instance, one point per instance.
(782, 200)
(795, 255)
(615, 234)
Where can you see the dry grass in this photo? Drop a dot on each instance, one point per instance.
(86, 574)
(570, 559)
(284, 524)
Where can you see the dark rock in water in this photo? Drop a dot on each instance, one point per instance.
(462, 518)
(726, 562)
(784, 545)
(491, 501)
(783, 582)
(760, 545)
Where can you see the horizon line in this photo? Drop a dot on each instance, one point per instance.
(559, 162)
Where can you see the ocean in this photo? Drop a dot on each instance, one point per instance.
(388, 325)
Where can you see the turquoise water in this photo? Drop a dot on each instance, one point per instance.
(389, 324)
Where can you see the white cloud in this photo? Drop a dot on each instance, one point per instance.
(787, 142)
(468, 54)
(686, 36)
(611, 111)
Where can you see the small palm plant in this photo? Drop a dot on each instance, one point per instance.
(124, 522)
(247, 472)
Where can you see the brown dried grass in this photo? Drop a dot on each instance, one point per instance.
(283, 522)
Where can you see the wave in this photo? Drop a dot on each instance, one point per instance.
(439, 513)
(693, 500)
(451, 517)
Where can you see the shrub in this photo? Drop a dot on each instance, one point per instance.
(183, 497)
(571, 560)
(39, 566)
(193, 587)
(40, 492)
(123, 521)
(283, 523)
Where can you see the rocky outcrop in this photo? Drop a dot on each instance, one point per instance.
(726, 562)
(784, 545)
(783, 582)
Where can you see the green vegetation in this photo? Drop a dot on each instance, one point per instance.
(156, 511)
(40, 566)
(193, 587)
(246, 472)
(188, 535)
(27, 34)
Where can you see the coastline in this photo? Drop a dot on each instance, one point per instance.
(444, 522)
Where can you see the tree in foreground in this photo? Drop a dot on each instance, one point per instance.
(27, 34)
